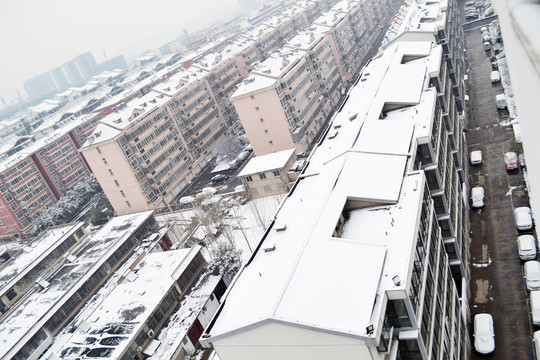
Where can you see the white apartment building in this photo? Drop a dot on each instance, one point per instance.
(354, 264)
(519, 23)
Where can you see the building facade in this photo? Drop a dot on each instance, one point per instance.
(40, 174)
(267, 175)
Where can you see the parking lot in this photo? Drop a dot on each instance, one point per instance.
(497, 285)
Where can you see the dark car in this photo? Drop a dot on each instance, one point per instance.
(220, 178)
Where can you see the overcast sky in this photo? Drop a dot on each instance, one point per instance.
(38, 35)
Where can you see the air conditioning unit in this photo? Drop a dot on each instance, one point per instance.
(139, 349)
(151, 333)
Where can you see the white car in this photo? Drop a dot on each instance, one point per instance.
(477, 197)
(484, 335)
(526, 247)
(523, 217)
(476, 157)
(495, 77)
(532, 275)
(536, 341)
(534, 300)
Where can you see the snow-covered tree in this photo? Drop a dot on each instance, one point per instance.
(226, 259)
(69, 205)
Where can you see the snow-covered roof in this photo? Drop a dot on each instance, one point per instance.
(113, 124)
(267, 162)
(180, 321)
(131, 302)
(34, 311)
(423, 16)
(267, 73)
(305, 39)
(33, 253)
(305, 275)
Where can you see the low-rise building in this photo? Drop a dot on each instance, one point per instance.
(28, 328)
(127, 322)
(35, 259)
(267, 175)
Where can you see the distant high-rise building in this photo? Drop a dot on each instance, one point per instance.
(249, 5)
(117, 62)
(73, 72)
(39, 86)
(59, 77)
(87, 64)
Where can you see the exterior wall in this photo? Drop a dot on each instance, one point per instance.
(61, 164)
(117, 163)
(266, 183)
(275, 341)
(274, 121)
(24, 191)
(525, 75)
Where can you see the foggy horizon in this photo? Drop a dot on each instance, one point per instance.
(41, 36)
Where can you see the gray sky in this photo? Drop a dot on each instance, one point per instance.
(37, 35)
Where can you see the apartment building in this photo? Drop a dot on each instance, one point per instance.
(147, 152)
(28, 328)
(226, 69)
(19, 274)
(280, 104)
(342, 39)
(38, 175)
(268, 175)
(524, 67)
(354, 265)
(147, 294)
(322, 63)
(444, 158)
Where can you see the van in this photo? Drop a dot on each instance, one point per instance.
(477, 197)
(487, 45)
(535, 307)
(500, 99)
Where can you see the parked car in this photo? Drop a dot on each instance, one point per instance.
(495, 77)
(471, 16)
(476, 157)
(484, 335)
(532, 275)
(535, 307)
(220, 178)
(500, 99)
(486, 44)
(243, 155)
(511, 161)
(521, 159)
(523, 217)
(477, 197)
(536, 342)
(526, 247)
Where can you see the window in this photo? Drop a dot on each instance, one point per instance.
(252, 97)
(116, 183)
(277, 173)
(257, 108)
(248, 178)
(266, 131)
(270, 142)
(104, 161)
(110, 172)
(11, 294)
(98, 150)
(122, 193)
(261, 120)
(262, 176)
(128, 204)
